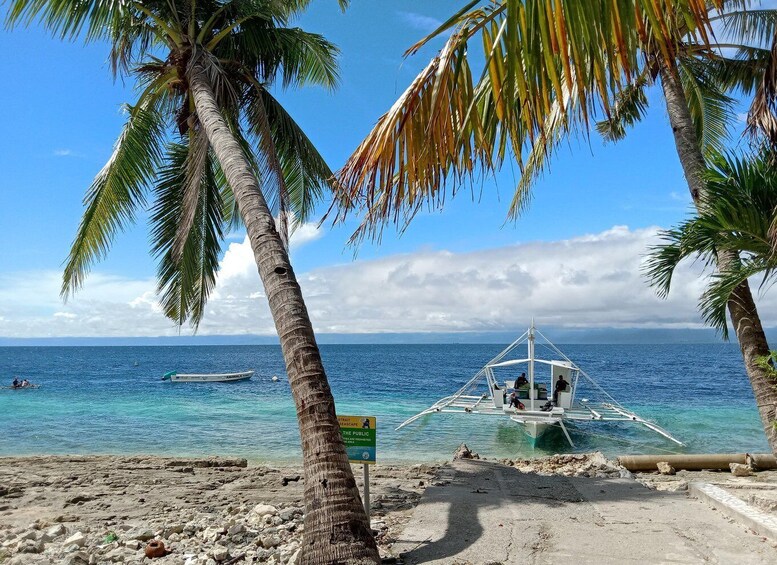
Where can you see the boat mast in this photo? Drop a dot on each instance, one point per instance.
(530, 342)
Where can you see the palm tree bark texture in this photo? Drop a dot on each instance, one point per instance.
(741, 306)
(343, 534)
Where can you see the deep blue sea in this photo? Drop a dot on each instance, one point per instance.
(111, 400)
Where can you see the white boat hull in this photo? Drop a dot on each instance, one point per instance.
(535, 430)
(211, 378)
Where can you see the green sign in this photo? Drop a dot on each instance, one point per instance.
(359, 436)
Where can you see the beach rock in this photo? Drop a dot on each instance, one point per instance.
(236, 529)
(76, 558)
(220, 553)
(55, 531)
(665, 468)
(268, 542)
(78, 499)
(464, 452)
(29, 534)
(739, 470)
(78, 539)
(288, 513)
(139, 534)
(31, 546)
(675, 486)
(264, 509)
(133, 544)
(117, 555)
(174, 529)
(213, 533)
(211, 462)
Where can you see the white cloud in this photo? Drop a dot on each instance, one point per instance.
(419, 21)
(66, 153)
(590, 281)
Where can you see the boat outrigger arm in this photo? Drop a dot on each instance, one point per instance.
(483, 395)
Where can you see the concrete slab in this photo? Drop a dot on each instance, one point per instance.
(490, 513)
(742, 512)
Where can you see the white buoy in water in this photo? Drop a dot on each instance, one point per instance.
(275, 378)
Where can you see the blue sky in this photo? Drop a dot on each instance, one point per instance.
(62, 114)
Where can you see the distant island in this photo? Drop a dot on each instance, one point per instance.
(561, 335)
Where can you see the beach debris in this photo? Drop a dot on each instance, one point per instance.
(665, 468)
(155, 549)
(740, 470)
(286, 480)
(464, 452)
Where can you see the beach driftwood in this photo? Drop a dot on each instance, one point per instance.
(698, 462)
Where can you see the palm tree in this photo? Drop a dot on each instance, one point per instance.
(739, 219)
(204, 70)
(550, 69)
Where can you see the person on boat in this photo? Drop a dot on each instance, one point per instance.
(515, 402)
(522, 380)
(561, 386)
(16, 382)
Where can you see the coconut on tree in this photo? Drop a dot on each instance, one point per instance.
(550, 70)
(208, 145)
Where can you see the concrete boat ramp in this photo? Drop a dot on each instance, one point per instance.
(488, 513)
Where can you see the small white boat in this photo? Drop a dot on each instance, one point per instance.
(174, 377)
(540, 404)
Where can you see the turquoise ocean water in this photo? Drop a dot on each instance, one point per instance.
(111, 400)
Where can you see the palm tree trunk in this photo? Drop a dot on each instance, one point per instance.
(741, 307)
(336, 527)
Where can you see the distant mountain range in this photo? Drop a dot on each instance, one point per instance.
(557, 335)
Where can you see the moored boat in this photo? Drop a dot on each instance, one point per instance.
(526, 401)
(175, 377)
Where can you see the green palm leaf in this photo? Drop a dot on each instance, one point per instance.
(116, 193)
(737, 217)
(188, 261)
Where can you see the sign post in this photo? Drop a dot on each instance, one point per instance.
(360, 438)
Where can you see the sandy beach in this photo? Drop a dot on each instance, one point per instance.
(215, 511)
(105, 509)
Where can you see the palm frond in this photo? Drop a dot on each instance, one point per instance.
(629, 108)
(186, 279)
(712, 110)
(197, 159)
(295, 56)
(305, 172)
(116, 193)
(752, 26)
(447, 127)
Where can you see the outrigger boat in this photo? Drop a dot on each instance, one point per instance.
(485, 395)
(172, 376)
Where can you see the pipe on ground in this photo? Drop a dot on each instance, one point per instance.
(698, 462)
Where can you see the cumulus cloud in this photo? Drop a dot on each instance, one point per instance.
(589, 281)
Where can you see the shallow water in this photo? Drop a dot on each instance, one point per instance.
(111, 400)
